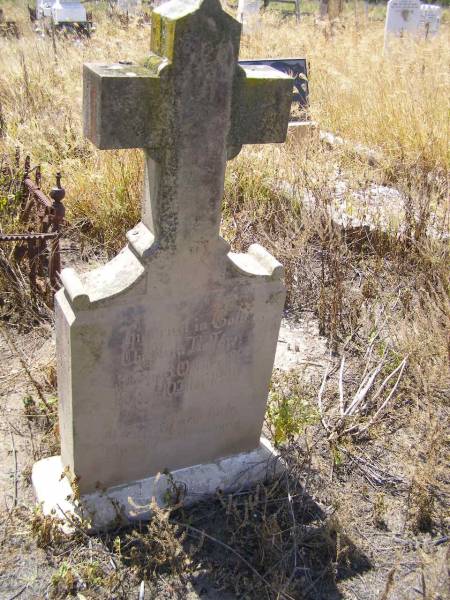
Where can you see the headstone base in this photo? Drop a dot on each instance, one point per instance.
(119, 505)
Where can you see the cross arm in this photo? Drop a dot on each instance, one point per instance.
(261, 106)
(120, 106)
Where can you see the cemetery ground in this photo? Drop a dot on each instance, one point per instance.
(358, 405)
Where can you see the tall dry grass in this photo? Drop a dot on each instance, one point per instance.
(398, 102)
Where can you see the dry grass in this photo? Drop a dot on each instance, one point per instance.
(397, 103)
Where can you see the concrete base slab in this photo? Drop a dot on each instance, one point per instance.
(119, 505)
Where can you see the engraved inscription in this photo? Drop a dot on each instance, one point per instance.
(163, 370)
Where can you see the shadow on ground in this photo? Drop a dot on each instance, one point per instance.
(274, 541)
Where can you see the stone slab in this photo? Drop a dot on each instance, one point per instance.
(248, 13)
(119, 505)
(402, 16)
(430, 19)
(68, 12)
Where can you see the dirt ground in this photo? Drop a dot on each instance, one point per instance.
(350, 516)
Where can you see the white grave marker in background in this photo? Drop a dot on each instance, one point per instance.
(249, 14)
(43, 8)
(67, 11)
(402, 16)
(430, 19)
(129, 6)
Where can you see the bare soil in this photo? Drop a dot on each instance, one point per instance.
(349, 522)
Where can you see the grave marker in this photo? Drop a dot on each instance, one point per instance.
(67, 11)
(297, 68)
(430, 19)
(131, 7)
(402, 16)
(43, 8)
(165, 353)
(249, 14)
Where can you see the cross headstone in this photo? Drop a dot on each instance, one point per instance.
(165, 353)
(402, 16)
(249, 14)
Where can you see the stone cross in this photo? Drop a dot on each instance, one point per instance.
(189, 107)
(165, 353)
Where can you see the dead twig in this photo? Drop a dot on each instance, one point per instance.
(362, 401)
(19, 593)
(14, 451)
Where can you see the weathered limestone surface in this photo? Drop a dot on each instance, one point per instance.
(165, 353)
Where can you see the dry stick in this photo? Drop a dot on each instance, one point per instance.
(142, 590)
(365, 387)
(14, 451)
(73, 522)
(341, 386)
(387, 379)
(294, 527)
(19, 593)
(241, 558)
(368, 356)
(319, 399)
(402, 368)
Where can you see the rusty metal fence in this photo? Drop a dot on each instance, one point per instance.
(41, 219)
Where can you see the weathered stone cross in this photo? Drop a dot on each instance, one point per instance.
(165, 352)
(189, 108)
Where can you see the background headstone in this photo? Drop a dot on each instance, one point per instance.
(131, 7)
(44, 8)
(249, 14)
(64, 11)
(402, 16)
(430, 19)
